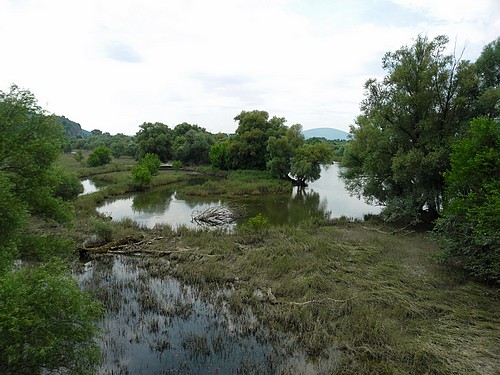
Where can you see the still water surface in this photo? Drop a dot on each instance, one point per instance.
(324, 197)
(153, 324)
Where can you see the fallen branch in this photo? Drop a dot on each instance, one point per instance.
(320, 301)
(116, 246)
(217, 215)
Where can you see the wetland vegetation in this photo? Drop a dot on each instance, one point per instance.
(346, 296)
(328, 292)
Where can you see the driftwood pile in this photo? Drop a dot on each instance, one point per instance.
(217, 215)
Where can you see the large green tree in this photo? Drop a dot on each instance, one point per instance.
(248, 147)
(39, 307)
(156, 139)
(470, 224)
(191, 144)
(281, 150)
(401, 140)
(307, 161)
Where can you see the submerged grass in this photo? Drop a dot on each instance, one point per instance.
(376, 297)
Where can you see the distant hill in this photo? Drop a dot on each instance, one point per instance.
(327, 133)
(73, 129)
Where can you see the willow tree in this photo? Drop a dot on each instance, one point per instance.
(401, 140)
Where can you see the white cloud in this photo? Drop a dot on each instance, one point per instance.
(115, 64)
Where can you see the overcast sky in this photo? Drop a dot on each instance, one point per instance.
(115, 64)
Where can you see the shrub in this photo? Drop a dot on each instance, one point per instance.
(471, 217)
(141, 176)
(258, 222)
(177, 164)
(151, 162)
(99, 156)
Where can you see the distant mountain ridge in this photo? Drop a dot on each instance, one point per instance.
(72, 129)
(327, 133)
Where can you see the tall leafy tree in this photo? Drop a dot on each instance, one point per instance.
(471, 217)
(156, 139)
(192, 146)
(401, 141)
(248, 148)
(307, 161)
(282, 149)
(41, 310)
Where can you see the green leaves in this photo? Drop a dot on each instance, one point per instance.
(46, 322)
(99, 156)
(401, 142)
(471, 217)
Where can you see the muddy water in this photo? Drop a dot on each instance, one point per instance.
(153, 324)
(324, 197)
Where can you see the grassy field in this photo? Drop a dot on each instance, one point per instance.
(370, 291)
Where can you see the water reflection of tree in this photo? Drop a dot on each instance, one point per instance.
(152, 201)
(305, 203)
(301, 205)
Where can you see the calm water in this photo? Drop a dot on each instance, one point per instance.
(153, 324)
(89, 187)
(324, 197)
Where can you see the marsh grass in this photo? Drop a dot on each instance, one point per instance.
(377, 297)
(240, 183)
(68, 161)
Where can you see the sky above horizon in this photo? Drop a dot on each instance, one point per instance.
(115, 64)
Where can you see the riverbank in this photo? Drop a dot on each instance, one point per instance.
(371, 292)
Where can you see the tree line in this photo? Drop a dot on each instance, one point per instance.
(259, 143)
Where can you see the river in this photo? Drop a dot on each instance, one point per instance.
(326, 196)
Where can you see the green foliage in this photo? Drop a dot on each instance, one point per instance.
(219, 155)
(141, 176)
(307, 160)
(14, 214)
(488, 71)
(151, 162)
(42, 248)
(99, 156)
(177, 164)
(471, 217)
(46, 322)
(192, 144)
(66, 184)
(401, 142)
(248, 149)
(102, 228)
(156, 139)
(258, 222)
(30, 142)
(282, 149)
(79, 156)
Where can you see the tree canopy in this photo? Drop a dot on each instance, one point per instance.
(402, 138)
